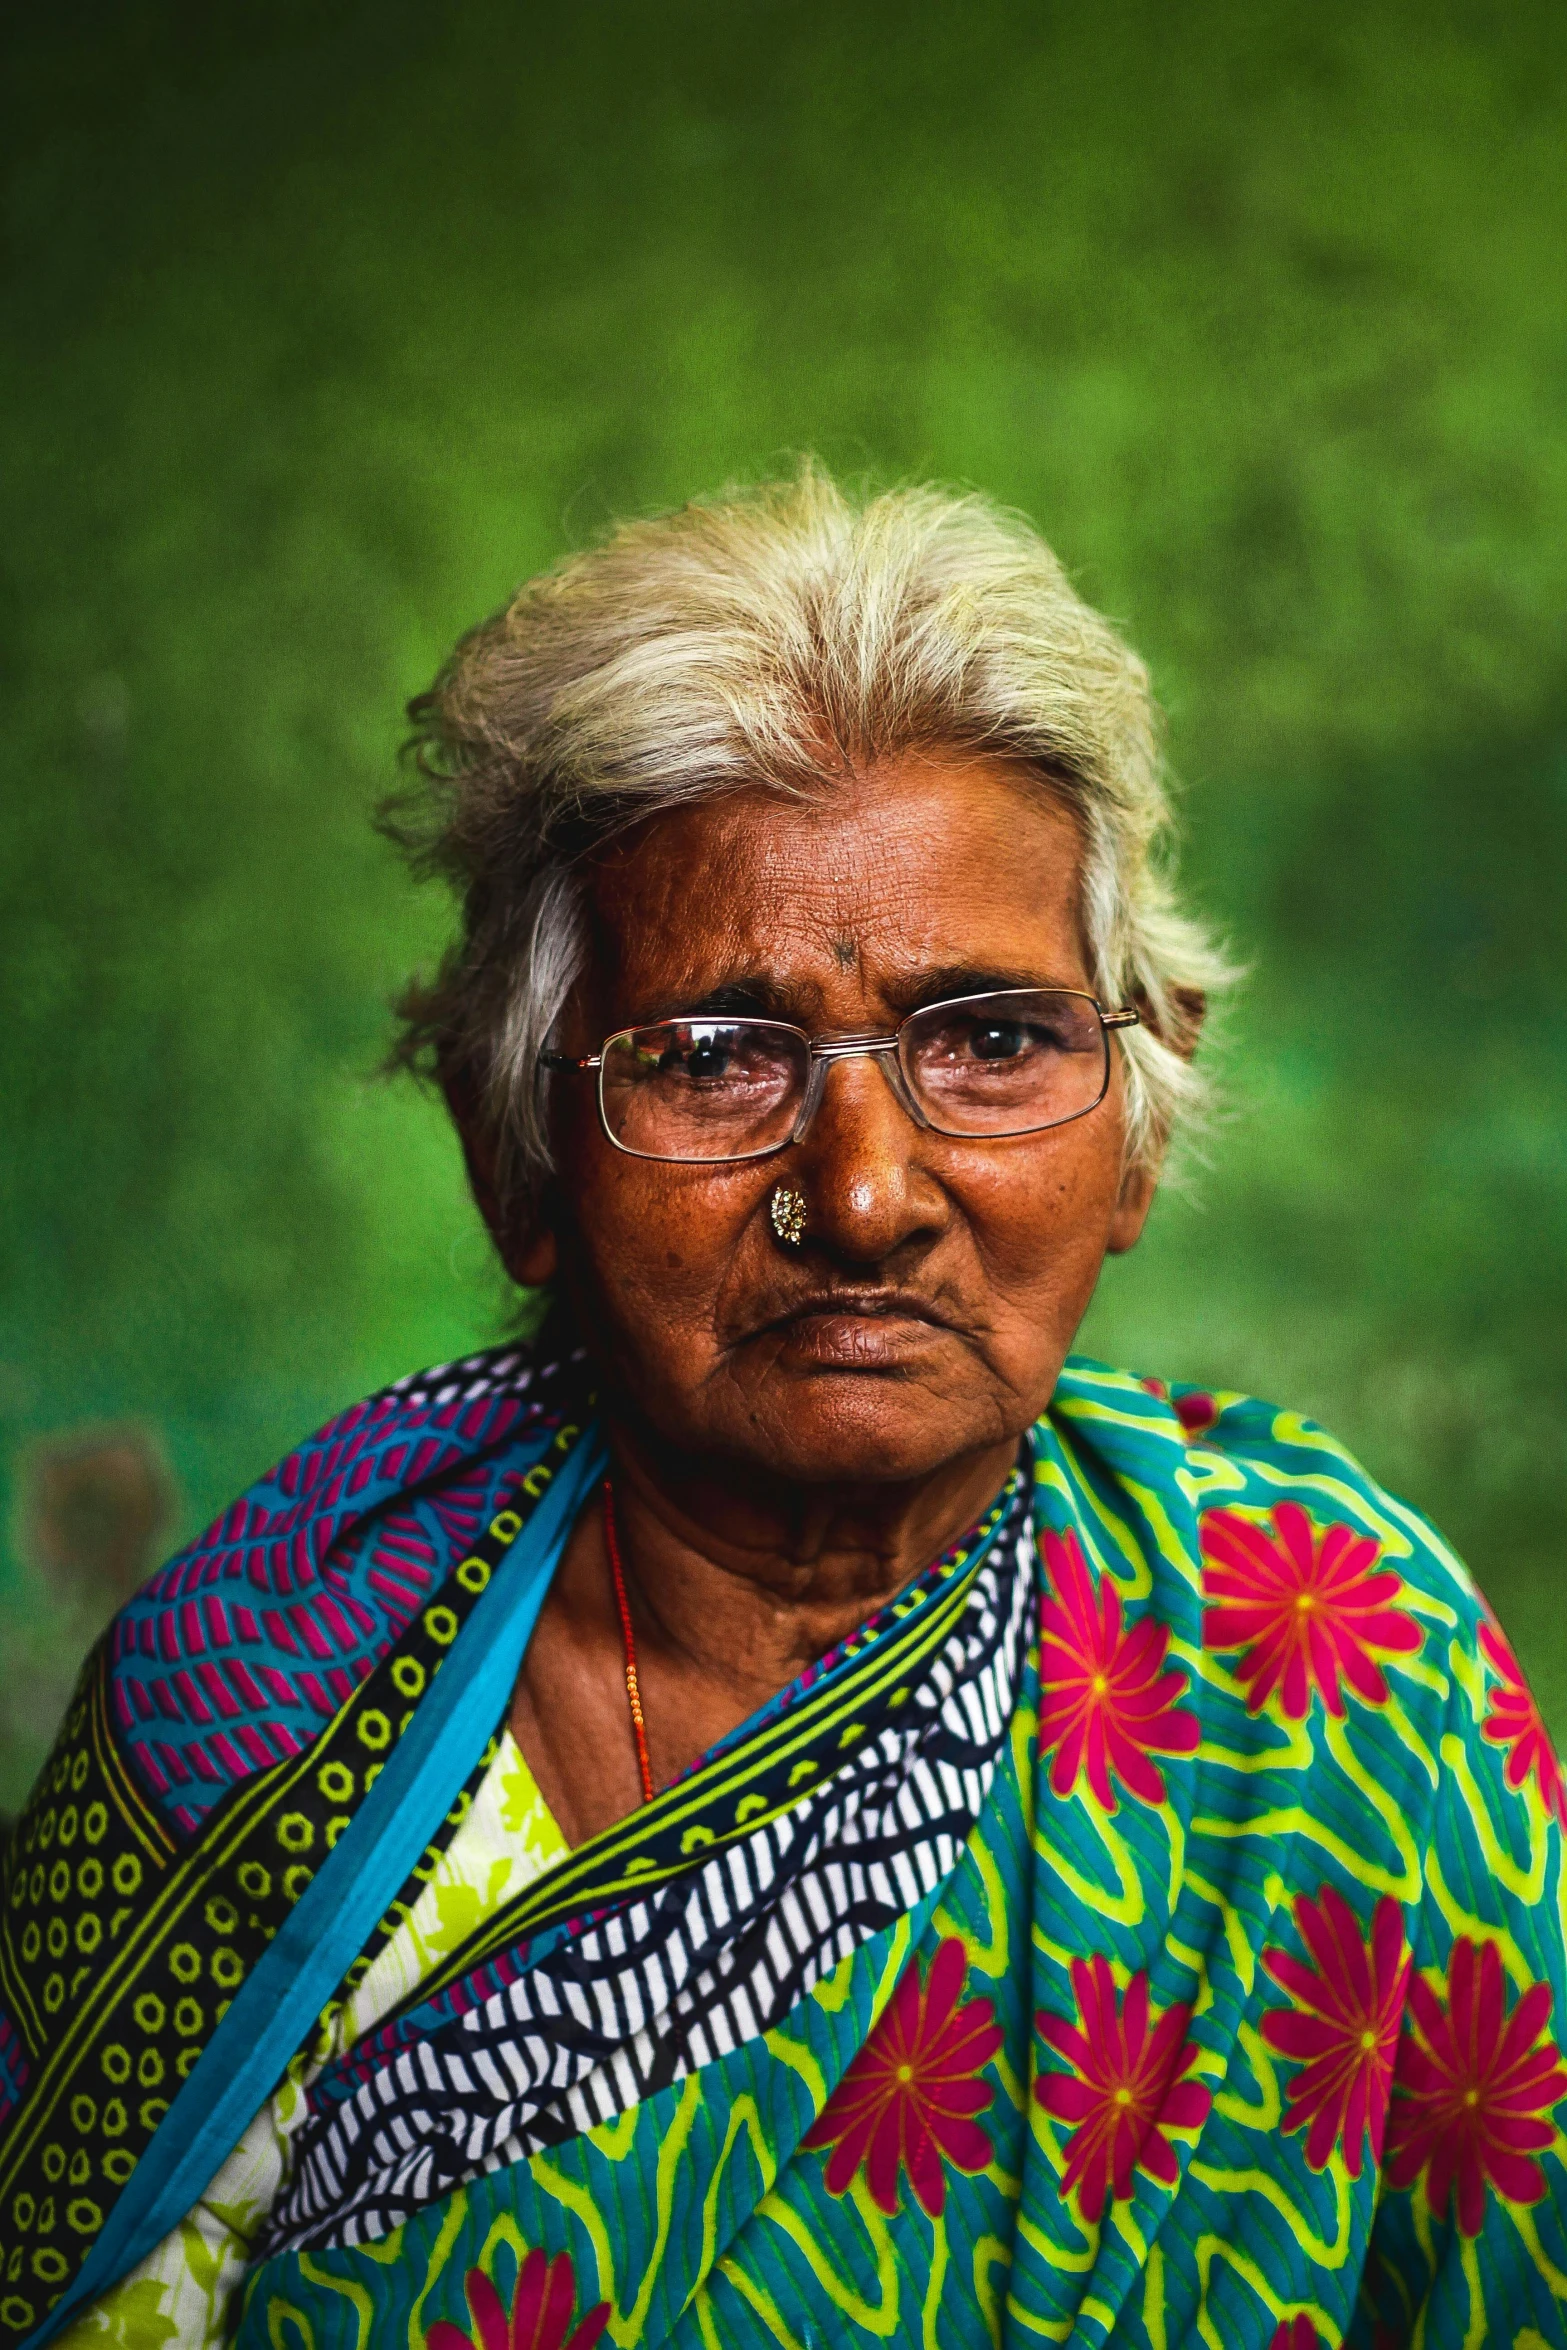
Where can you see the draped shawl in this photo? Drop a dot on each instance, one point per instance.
(1151, 1923)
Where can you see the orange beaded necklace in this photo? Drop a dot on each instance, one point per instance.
(633, 1690)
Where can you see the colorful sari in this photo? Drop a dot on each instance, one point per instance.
(1149, 1927)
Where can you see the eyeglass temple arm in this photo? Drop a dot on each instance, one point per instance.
(550, 1059)
(1127, 1017)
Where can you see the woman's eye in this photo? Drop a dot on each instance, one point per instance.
(705, 1059)
(999, 1041)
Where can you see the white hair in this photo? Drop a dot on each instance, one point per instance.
(784, 636)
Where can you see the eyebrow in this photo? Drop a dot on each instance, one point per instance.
(962, 979)
(755, 997)
(758, 995)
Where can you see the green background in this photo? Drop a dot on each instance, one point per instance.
(325, 325)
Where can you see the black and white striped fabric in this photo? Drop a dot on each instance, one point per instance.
(671, 1982)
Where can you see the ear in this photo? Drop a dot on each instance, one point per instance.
(531, 1260)
(1188, 1011)
(528, 1252)
(1133, 1202)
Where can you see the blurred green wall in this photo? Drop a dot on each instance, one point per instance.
(327, 324)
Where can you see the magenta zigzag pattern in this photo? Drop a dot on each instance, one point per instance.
(232, 1656)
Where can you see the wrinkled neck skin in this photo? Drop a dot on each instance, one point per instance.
(751, 1579)
(736, 1584)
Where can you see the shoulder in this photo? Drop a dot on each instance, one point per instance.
(1239, 1460)
(1299, 1587)
(1306, 1619)
(233, 1655)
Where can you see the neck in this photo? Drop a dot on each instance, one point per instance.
(734, 1586)
(741, 1585)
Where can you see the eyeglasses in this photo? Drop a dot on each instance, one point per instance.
(980, 1067)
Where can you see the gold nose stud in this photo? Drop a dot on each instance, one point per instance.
(787, 1210)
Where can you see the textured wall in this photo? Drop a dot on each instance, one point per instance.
(325, 326)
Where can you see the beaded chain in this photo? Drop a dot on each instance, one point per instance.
(633, 1690)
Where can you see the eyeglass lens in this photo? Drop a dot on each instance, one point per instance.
(1010, 1063)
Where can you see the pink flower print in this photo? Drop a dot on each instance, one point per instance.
(1343, 2026)
(1107, 1700)
(1473, 2092)
(912, 2096)
(542, 2308)
(1308, 1609)
(1514, 1722)
(1196, 1410)
(1126, 2088)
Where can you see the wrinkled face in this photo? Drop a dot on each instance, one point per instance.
(927, 1315)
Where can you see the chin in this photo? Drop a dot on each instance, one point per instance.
(858, 1430)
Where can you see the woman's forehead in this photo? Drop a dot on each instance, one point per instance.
(956, 865)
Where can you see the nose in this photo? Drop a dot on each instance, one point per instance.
(868, 1196)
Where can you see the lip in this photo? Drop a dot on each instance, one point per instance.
(865, 1305)
(855, 1330)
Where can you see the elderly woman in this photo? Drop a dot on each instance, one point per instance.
(790, 1810)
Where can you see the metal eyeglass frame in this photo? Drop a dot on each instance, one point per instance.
(822, 1051)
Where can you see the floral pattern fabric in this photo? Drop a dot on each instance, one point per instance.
(1126, 2092)
(910, 2101)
